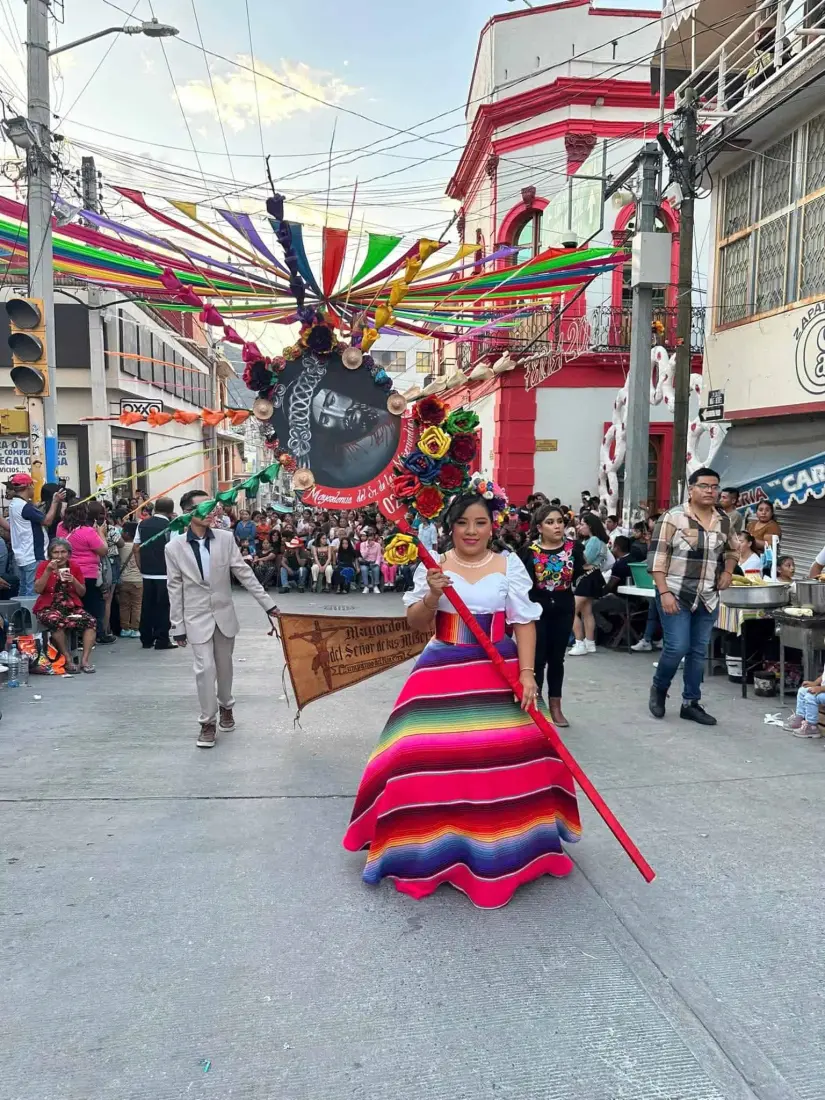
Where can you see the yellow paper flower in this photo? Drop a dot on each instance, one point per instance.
(400, 550)
(434, 442)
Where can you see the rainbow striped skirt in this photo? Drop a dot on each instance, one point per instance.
(462, 787)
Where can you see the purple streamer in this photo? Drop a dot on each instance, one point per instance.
(243, 224)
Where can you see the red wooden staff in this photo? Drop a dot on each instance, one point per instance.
(549, 731)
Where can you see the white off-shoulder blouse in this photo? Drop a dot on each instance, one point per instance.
(508, 592)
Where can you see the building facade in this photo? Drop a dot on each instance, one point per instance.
(559, 99)
(114, 356)
(762, 124)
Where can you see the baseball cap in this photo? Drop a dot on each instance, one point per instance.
(20, 481)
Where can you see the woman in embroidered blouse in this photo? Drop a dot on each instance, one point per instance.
(463, 788)
(554, 564)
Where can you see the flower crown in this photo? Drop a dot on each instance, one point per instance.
(437, 470)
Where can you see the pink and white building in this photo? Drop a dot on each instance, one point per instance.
(559, 98)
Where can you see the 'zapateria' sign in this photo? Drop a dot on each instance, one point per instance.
(810, 350)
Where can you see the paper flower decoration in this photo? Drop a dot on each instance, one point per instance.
(429, 410)
(461, 422)
(424, 467)
(400, 550)
(434, 442)
(463, 449)
(429, 502)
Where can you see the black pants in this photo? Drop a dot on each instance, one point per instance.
(93, 602)
(552, 637)
(154, 613)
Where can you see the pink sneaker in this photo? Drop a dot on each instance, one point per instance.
(808, 729)
(795, 722)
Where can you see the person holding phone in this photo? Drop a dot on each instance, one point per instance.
(28, 526)
(60, 587)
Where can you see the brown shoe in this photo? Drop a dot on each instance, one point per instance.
(556, 714)
(207, 736)
(227, 720)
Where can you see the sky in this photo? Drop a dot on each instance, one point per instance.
(152, 117)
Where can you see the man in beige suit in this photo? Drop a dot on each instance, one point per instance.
(199, 566)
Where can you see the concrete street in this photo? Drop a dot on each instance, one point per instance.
(179, 923)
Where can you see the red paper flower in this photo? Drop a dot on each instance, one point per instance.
(429, 501)
(463, 449)
(429, 410)
(451, 476)
(405, 486)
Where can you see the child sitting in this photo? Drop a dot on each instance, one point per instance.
(809, 698)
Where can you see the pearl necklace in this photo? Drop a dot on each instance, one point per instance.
(473, 565)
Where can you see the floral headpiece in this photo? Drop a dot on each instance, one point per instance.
(492, 493)
(438, 468)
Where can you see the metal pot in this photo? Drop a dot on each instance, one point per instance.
(756, 597)
(811, 594)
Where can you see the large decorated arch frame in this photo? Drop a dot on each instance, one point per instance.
(324, 405)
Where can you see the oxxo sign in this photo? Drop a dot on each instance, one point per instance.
(142, 408)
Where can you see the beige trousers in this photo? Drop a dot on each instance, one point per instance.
(213, 674)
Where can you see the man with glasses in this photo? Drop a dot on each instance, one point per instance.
(685, 559)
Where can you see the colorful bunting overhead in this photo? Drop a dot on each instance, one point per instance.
(396, 287)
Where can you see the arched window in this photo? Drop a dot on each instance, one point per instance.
(527, 236)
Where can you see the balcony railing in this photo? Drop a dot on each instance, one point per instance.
(611, 327)
(555, 335)
(774, 37)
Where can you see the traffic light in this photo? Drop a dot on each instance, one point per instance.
(27, 340)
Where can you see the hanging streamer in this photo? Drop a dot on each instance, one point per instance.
(335, 249)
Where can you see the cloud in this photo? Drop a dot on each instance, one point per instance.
(235, 93)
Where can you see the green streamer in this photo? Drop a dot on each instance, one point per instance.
(379, 247)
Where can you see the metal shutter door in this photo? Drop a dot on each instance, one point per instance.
(803, 533)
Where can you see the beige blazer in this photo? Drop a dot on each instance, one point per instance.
(197, 606)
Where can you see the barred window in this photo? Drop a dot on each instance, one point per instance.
(734, 281)
(771, 247)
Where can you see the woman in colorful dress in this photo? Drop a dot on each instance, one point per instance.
(554, 564)
(463, 788)
(60, 587)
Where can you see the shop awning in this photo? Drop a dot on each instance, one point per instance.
(768, 464)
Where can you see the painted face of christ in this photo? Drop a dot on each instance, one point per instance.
(347, 418)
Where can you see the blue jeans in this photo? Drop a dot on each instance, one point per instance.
(300, 576)
(686, 634)
(370, 569)
(808, 704)
(652, 621)
(27, 578)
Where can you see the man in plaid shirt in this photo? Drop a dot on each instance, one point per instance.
(685, 560)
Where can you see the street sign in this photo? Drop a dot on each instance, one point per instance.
(716, 397)
(142, 408)
(712, 413)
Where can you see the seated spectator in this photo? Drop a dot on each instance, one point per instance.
(323, 563)
(370, 552)
(60, 587)
(295, 566)
(785, 568)
(620, 573)
(347, 560)
(267, 564)
(749, 561)
(639, 542)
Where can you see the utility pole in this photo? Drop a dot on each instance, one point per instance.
(100, 431)
(686, 136)
(638, 389)
(41, 272)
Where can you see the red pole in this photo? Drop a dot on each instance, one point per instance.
(550, 731)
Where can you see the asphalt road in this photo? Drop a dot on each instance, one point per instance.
(178, 923)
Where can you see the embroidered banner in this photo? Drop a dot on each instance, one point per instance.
(325, 653)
